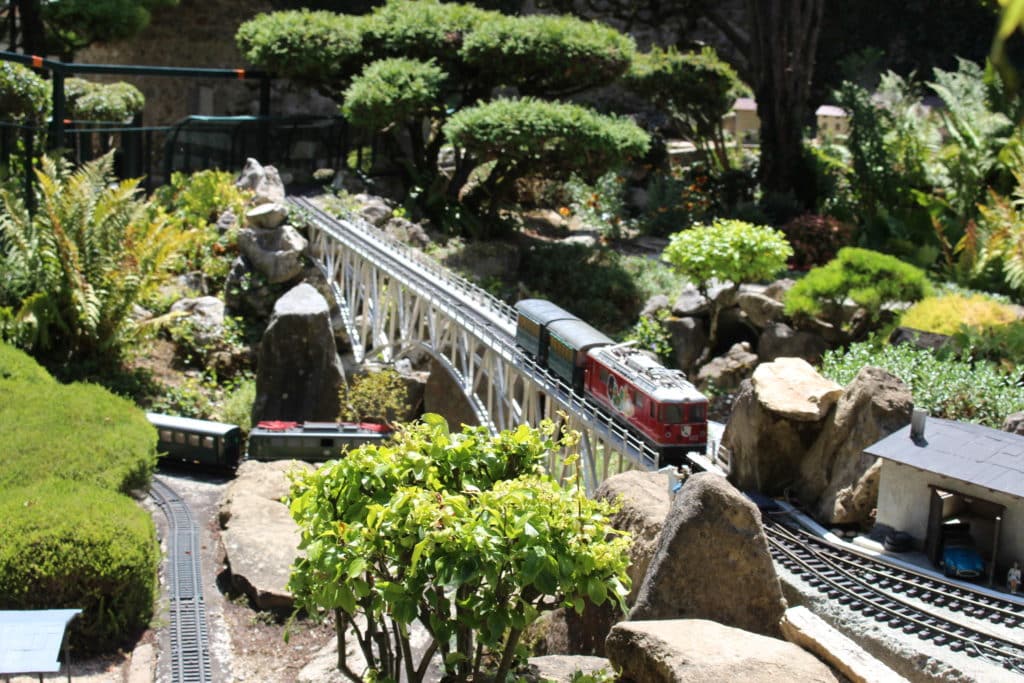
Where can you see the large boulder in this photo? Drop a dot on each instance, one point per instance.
(688, 340)
(775, 419)
(1014, 423)
(299, 373)
(266, 216)
(264, 181)
(695, 650)
(726, 372)
(779, 340)
(260, 538)
(444, 396)
(275, 254)
(761, 310)
(566, 668)
(206, 314)
(836, 473)
(712, 562)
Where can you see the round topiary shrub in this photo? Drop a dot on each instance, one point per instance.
(945, 314)
(69, 545)
(15, 364)
(114, 102)
(24, 96)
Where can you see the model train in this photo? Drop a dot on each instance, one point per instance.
(311, 441)
(220, 446)
(659, 404)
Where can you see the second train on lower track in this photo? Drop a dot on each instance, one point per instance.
(658, 403)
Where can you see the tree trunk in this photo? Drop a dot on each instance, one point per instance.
(783, 42)
(30, 24)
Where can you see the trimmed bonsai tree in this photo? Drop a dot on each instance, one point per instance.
(407, 68)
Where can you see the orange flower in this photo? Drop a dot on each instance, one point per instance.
(564, 211)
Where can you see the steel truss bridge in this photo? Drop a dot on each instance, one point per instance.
(394, 300)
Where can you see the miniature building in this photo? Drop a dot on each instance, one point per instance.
(832, 121)
(937, 472)
(742, 122)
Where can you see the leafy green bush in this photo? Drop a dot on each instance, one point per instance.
(543, 54)
(946, 387)
(80, 432)
(600, 205)
(68, 544)
(1000, 344)
(696, 89)
(869, 278)
(458, 531)
(945, 314)
(424, 30)
(111, 102)
(816, 239)
(381, 396)
(24, 96)
(191, 204)
(321, 49)
(75, 268)
(391, 90)
(651, 334)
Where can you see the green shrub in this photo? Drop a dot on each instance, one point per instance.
(1000, 344)
(543, 54)
(946, 387)
(16, 365)
(68, 544)
(390, 90)
(24, 96)
(423, 30)
(651, 334)
(945, 314)
(111, 102)
(80, 432)
(322, 49)
(552, 138)
(816, 239)
(869, 278)
(696, 89)
(381, 396)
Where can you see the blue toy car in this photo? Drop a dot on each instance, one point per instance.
(961, 559)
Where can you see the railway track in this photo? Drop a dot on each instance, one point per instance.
(189, 640)
(969, 621)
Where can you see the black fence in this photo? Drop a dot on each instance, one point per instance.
(297, 145)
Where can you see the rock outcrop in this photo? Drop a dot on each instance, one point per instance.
(727, 372)
(695, 650)
(712, 562)
(264, 181)
(206, 314)
(564, 668)
(775, 419)
(836, 473)
(445, 397)
(260, 538)
(299, 372)
(277, 253)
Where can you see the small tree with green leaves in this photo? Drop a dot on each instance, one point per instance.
(381, 396)
(458, 531)
(868, 278)
(727, 252)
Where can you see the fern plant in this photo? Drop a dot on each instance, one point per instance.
(80, 263)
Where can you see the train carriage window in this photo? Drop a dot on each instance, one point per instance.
(652, 410)
(638, 400)
(672, 413)
(529, 325)
(208, 443)
(698, 412)
(326, 443)
(193, 440)
(165, 435)
(179, 437)
(603, 374)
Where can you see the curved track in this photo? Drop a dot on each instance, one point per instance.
(190, 643)
(970, 621)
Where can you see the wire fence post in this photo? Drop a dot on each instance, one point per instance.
(59, 109)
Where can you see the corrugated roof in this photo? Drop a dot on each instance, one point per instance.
(968, 452)
(30, 640)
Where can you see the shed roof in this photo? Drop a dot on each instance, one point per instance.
(30, 640)
(967, 452)
(830, 110)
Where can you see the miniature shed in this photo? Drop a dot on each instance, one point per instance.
(937, 472)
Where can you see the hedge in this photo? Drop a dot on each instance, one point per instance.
(548, 137)
(24, 96)
(80, 432)
(15, 364)
(318, 48)
(392, 90)
(113, 102)
(68, 544)
(548, 54)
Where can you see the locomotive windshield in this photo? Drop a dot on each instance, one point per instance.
(672, 413)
